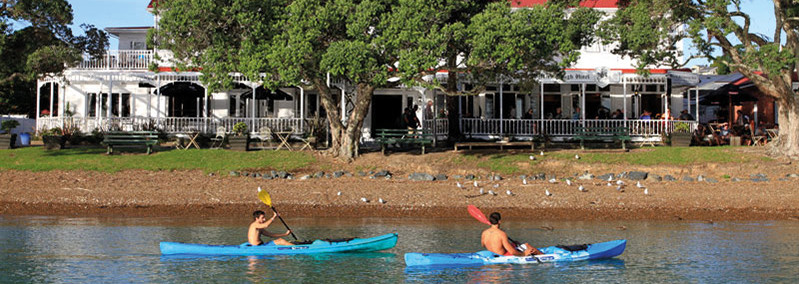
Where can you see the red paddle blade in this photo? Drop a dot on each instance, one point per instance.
(477, 214)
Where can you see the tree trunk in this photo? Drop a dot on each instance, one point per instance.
(787, 143)
(344, 139)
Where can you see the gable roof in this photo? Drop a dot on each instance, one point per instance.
(584, 3)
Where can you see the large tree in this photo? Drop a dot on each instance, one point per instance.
(485, 42)
(286, 43)
(648, 30)
(42, 44)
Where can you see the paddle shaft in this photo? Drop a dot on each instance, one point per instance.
(284, 222)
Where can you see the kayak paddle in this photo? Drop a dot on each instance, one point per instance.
(266, 199)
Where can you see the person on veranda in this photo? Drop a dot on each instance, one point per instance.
(258, 228)
(496, 240)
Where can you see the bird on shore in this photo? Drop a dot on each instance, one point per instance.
(339, 193)
(542, 153)
(459, 185)
(381, 201)
(610, 184)
(568, 182)
(532, 157)
(492, 192)
(496, 185)
(610, 178)
(581, 188)
(475, 183)
(646, 191)
(481, 191)
(508, 192)
(576, 156)
(552, 180)
(620, 182)
(364, 199)
(639, 185)
(620, 189)
(546, 191)
(524, 181)
(259, 189)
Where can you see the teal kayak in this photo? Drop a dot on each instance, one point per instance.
(383, 242)
(551, 254)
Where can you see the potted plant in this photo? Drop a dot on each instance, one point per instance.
(8, 139)
(681, 136)
(241, 139)
(53, 139)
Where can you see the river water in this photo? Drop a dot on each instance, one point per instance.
(123, 250)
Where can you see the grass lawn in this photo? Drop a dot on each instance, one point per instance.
(95, 159)
(506, 163)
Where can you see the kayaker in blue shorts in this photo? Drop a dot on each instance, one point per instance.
(258, 228)
(496, 240)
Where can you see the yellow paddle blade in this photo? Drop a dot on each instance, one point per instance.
(264, 196)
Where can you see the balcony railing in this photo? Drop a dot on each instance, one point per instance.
(118, 60)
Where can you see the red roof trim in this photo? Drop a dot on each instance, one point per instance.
(584, 3)
(152, 3)
(171, 69)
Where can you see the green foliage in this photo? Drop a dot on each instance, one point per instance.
(42, 43)
(240, 128)
(94, 159)
(9, 125)
(680, 126)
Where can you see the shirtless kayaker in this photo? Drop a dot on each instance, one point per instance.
(258, 228)
(496, 240)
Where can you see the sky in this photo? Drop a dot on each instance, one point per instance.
(133, 13)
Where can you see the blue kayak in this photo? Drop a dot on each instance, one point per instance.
(383, 242)
(551, 254)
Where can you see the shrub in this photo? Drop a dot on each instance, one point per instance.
(240, 128)
(9, 125)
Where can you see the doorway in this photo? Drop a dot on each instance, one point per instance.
(386, 112)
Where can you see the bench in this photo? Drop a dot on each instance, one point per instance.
(499, 144)
(130, 138)
(403, 136)
(621, 134)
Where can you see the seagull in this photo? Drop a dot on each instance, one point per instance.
(339, 193)
(496, 185)
(569, 182)
(508, 192)
(259, 189)
(553, 180)
(481, 191)
(610, 184)
(475, 183)
(610, 178)
(581, 188)
(492, 192)
(524, 181)
(532, 157)
(576, 156)
(364, 199)
(639, 185)
(459, 185)
(542, 153)
(381, 201)
(546, 191)
(619, 188)
(620, 182)
(646, 191)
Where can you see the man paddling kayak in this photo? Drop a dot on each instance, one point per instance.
(258, 228)
(496, 240)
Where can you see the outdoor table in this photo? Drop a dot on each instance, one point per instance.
(283, 136)
(192, 140)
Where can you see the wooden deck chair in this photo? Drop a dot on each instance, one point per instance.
(265, 135)
(219, 139)
(757, 140)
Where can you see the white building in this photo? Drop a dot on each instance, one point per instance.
(177, 102)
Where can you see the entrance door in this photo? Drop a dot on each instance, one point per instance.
(386, 112)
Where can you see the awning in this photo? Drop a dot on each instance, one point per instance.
(263, 94)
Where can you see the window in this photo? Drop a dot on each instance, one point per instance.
(138, 45)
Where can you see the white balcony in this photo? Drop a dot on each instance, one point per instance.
(118, 60)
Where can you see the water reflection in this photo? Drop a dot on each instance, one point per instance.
(59, 249)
